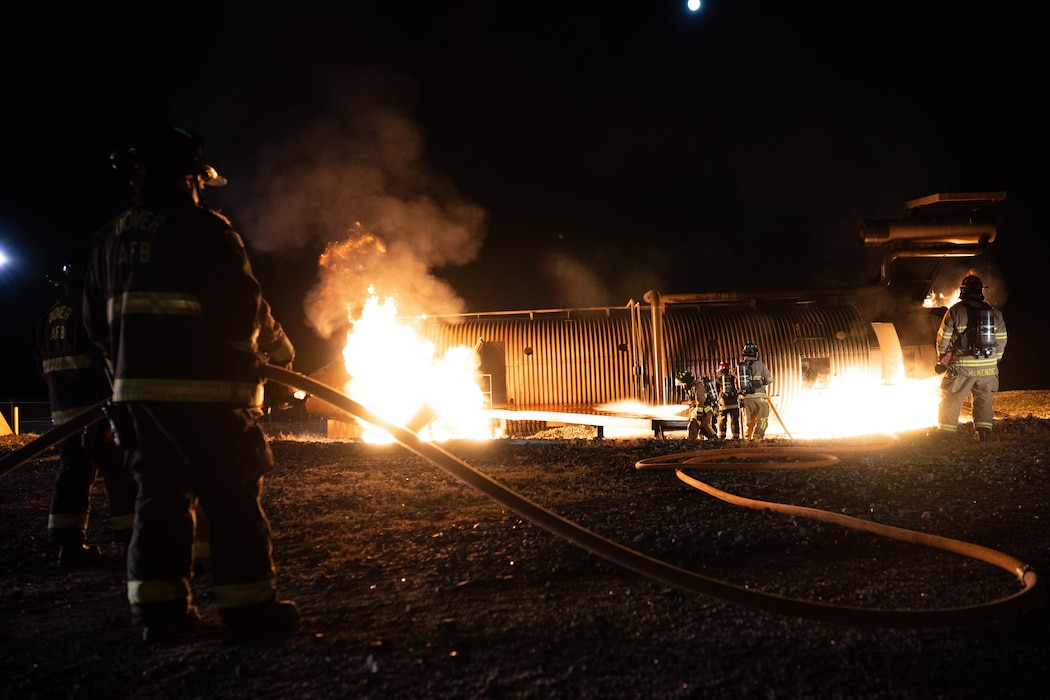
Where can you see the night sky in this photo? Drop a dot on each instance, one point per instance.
(534, 155)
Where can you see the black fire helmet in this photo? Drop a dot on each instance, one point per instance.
(165, 156)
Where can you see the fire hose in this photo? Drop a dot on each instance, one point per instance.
(52, 437)
(1025, 600)
(633, 560)
(777, 414)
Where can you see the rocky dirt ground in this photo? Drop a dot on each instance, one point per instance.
(413, 584)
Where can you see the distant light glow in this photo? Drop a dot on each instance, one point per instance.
(693, 5)
(3, 259)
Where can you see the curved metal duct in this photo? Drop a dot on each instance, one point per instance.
(943, 225)
(961, 232)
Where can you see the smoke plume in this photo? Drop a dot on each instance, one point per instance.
(354, 183)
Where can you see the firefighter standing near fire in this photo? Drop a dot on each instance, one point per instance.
(703, 400)
(171, 299)
(728, 402)
(971, 341)
(754, 377)
(76, 382)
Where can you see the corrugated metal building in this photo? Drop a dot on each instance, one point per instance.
(577, 359)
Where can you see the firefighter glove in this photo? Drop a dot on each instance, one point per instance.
(277, 396)
(121, 425)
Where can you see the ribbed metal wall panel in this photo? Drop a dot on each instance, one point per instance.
(591, 357)
(791, 341)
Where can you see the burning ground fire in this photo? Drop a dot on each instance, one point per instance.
(392, 370)
(858, 405)
(399, 376)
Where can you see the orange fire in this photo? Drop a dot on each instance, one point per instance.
(936, 299)
(856, 404)
(852, 405)
(398, 375)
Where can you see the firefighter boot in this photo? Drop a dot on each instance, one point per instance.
(172, 629)
(760, 429)
(272, 617)
(75, 555)
(983, 434)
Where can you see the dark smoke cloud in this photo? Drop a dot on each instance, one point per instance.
(356, 166)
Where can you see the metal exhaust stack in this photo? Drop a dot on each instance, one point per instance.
(937, 226)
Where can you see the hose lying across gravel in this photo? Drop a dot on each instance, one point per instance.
(1009, 606)
(804, 458)
(1013, 605)
(15, 459)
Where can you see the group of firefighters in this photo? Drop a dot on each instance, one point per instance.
(716, 403)
(971, 341)
(168, 323)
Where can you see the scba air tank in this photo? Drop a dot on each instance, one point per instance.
(710, 391)
(986, 332)
(743, 373)
(729, 386)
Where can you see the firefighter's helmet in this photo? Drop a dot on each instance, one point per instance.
(65, 280)
(61, 278)
(970, 285)
(685, 378)
(723, 366)
(165, 156)
(750, 349)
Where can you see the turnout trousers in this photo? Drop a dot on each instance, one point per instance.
(954, 392)
(702, 423)
(757, 410)
(729, 421)
(81, 458)
(180, 453)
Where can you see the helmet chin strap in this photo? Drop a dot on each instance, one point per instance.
(194, 187)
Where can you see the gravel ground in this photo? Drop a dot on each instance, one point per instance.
(413, 584)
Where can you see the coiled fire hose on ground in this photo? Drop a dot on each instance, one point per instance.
(1012, 605)
(1024, 600)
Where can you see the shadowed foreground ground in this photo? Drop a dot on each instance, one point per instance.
(413, 584)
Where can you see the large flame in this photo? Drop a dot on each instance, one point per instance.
(856, 404)
(934, 300)
(853, 404)
(398, 375)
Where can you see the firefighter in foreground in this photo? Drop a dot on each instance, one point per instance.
(754, 377)
(171, 299)
(76, 381)
(728, 402)
(970, 344)
(703, 400)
